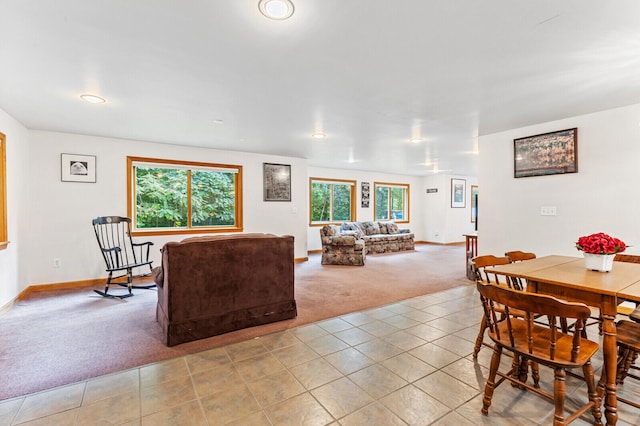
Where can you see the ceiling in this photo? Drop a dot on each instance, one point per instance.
(370, 74)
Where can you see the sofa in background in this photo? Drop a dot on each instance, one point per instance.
(381, 237)
(216, 284)
(340, 248)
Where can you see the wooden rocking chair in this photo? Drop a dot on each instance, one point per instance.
(120, 253)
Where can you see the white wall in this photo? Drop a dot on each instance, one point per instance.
(442, 223)
(602, 196)
(12, 269)
(61, 212)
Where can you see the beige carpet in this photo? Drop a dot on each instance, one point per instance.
(54, 338)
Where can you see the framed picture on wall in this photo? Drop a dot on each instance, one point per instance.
(366, 192)
(78, 168)
(474, 203)
(277, 182)
(458, 193)
(546, 154)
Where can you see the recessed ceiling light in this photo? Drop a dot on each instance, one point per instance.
(218, 121)
(416, 140)
(318, 135)
(93, 99)
(276, 9)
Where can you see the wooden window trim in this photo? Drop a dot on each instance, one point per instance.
(328, 180)
(4, 225)
(397, 185)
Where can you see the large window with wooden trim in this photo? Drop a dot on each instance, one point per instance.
(391, 201)
(178, 197)
(332, 200)
(4, 226)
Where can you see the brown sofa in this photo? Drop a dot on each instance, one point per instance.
(213, 285)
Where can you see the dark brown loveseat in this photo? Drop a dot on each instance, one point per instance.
(213, 285)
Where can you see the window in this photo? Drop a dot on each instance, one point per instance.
(332, 200)
(177, 197)
(4, 234)
(391, 201)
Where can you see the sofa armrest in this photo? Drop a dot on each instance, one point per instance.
(404, 231)
(340, 240)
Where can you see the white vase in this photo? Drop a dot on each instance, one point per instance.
(599, 262)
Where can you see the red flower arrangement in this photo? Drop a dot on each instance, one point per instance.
(600, 243)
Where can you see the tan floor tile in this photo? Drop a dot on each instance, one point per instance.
(426, 332)
(378, 350)
(327, 344)
(279, 340)
(420, 316)
(455, 344)
(470, 372)
(114, 410)
(357, 318)
(207, 360)
(66, 418)
(453, 419)
(446, 389)
(258, 366)
(404, 340)
(408, 367)
(308, 332)
(111, 385)
(354, 336)
(379, 313)
(373, 414)
(9, 409)
(334, 325)
(50, 402)
(315, 373)
(399, 308)
(300, 410)
(414, 406)
(233, 404)
(349, 360)
(247, 349)
(189, 413)
(401, 322)
(295, 354)
(377, 380)
(164, 371)
(166, 395)
(379, 328)
(434, 355)
(217, 380)
(448, 325)
(274, 388)
(341, 397)
(258, 418)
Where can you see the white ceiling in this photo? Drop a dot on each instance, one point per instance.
(369, 73)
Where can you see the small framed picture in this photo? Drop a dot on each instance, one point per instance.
(458, 193)
(277, 182)
(78, 168)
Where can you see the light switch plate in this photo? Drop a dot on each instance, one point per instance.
(548, 211)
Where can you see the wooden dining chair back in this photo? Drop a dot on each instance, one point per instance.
(120, 253)
(519, 256)
(480, 265)
(539, 345)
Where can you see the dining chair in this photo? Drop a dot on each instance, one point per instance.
(539, 345)
(519, 256)
(480, 264)
(628, 341)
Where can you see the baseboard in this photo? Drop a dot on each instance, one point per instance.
(456, 243)
(314, 251)
(301, 259)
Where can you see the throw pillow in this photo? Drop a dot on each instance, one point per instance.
(383, 227)
(370, 228)
(392, 228)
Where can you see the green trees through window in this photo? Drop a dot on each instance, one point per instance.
(332, 200)
(391, 201)
(181, 196)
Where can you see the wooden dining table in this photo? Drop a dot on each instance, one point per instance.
(567, 277)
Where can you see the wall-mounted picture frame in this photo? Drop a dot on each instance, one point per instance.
(474, 203)
(546, 154)
(78, 168)
(366, 193)
(458, 193)
(277, 182)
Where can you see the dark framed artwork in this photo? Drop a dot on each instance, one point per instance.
(277, 182)
(474, 203)
(366, 193)
(458, 193)
(546, 154)
(78, 168)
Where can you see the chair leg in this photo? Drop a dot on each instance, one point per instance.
(480, 338)
(559, 393)
(491, 380)
(589, 377)
(626, 357)
(105, 293)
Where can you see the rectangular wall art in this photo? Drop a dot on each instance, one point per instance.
(78, 168)
(546, 154)
(277, 182)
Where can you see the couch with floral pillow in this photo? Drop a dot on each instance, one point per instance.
(380, 237)
(341, 248)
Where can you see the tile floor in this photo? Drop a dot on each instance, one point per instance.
(405, 363)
